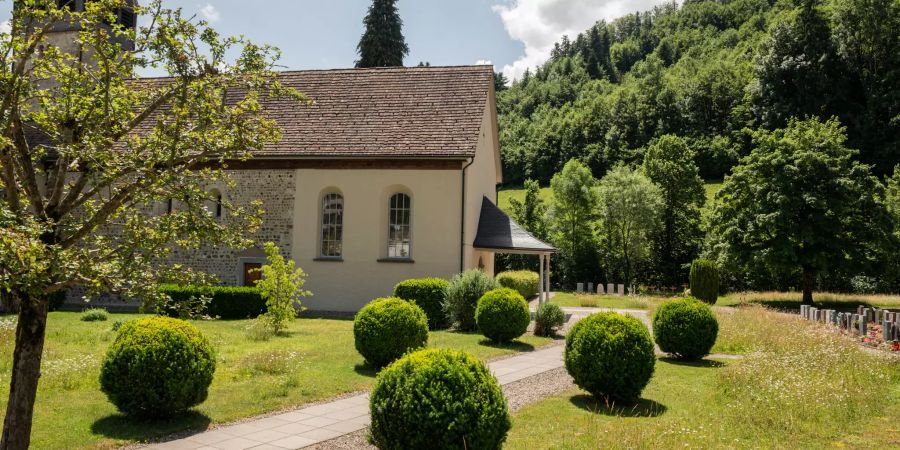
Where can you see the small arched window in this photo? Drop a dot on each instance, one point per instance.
(332, 225)
(398, 227)
(170, 206)
(214, 205)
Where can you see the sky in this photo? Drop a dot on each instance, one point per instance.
(316, 34)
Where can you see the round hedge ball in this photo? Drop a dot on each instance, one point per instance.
(438, 399)
(502, 315)
(610, 355)
(157, 367)
(686, 328)
(387, 328)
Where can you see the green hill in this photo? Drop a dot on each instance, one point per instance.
(711, 72)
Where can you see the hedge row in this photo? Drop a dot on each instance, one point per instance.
(525, 282)
(226, 302)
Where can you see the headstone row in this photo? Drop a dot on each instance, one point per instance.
(611, 289)
(857, 322)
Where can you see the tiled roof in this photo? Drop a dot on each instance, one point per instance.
(400, 112)
(386, 112)
(496, 231)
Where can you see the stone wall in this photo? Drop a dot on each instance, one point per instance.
(275, 188)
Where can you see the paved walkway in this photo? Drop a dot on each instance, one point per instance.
(315, 424)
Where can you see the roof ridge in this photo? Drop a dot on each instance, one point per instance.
(355, 69)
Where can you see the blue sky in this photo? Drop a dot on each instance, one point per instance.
(511, 34)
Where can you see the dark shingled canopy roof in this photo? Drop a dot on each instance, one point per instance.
(496, 231)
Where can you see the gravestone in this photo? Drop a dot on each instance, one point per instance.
(600, 288)
(580, 287)
(863, 326)
(812, 313)
(610, 289)
(886, 330)
(859, 310)
(620, 289)
(590, 288)
(831, 317)
(804, 311)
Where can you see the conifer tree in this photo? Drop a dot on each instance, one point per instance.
(382, 44)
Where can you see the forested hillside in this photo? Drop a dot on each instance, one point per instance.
(711, 72)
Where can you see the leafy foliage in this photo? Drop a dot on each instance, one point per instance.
(382, 44)
(461, 297)
(223, 302)
(530, 214)
(525, 282)
(705, 280)
(440, 399)
(686, 328)
(571, 217)
(502, 315)
(386, 328)
(157, 367)
(548, 318)
(282, 287)
(94, 315)
(629, 215)
(800, 203)
(428, 294)
(610, 355)
(669, 163)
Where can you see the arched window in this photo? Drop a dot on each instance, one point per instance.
(398, 227)
(332, 225)
(214, 204)
(170, 206)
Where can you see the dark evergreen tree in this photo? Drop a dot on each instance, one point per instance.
(382, 44)
(500, 82)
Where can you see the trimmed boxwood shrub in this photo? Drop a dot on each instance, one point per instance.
(438, 399)
(610, 355)
(428, 293)
(525, 282)
(157, 367)
(548, 318)
(386, 328)
(704, 279)
(462, 295)
(226, 302)
(94, 315)
(502, 315)
(686, 328)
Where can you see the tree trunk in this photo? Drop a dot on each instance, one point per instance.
(26, 370)
(809, 279)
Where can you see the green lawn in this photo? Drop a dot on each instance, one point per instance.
(790, 301)
(315, 361)
(794, 388)
(571, 299)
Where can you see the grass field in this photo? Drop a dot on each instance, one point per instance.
(601, 301)
(316, 360)
(796, 387)
(790, 301)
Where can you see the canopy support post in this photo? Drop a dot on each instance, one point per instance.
(541, 281)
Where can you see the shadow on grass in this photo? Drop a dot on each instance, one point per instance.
(365, 370)
(518, 346)
(642, 408)
(120, 426)
(706, 363)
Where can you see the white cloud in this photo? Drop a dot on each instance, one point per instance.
(540, 23)
(484, 62)
(5, 27)
(210, 13)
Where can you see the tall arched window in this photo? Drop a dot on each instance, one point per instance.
(398, 227)
(332, 225)
(214, 204)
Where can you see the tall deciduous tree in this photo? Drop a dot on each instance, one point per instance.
(382, 44)
(571, 218)
(800, 203)
(798, 71)
(630, 207)
(86, 151)
(530, 213)
(669, 163)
